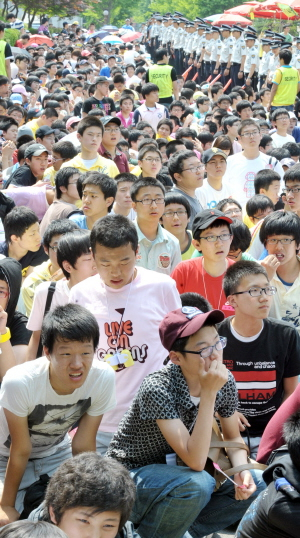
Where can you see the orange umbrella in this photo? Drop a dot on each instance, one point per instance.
(40, 39)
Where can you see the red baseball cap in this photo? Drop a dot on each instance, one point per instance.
(185, 321)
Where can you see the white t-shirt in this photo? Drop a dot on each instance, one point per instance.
(132, 80)
(146, 301)
(131, 215)
(130, 56)
(26, 391)
(279, 140)
(60, 298)
(209, 197)
(240, 174)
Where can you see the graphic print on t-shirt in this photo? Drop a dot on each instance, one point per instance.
(118, 335)
(48, 424)
(249, 184)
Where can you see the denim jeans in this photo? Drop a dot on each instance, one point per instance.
(289, 108)
(171, 500)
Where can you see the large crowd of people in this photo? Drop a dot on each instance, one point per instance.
(149, 282)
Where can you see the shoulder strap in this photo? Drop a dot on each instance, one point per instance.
(50, 294)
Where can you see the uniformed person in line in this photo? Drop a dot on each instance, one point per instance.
(296, 55)
(252, 61)
(274, 62)
(198, 62)
(238, 56)
(226, 53)
(215, 49)
(265, 62)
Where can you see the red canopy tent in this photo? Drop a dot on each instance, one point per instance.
(244, 9)
(227, 18)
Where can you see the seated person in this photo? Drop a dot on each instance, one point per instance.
(76, 262)
(97, 192)
(27, 529)
(48, 270)
(66, 196)
(275, 513)
(23, 239)
(213, 189)
(280, 117)
(41, 400)
(257, 208)
(45, 136)
(263, 354)
(123, 202)
(32, 172)
(100, 487)
(108, 147)
(175, 220)
(171, 418)
(62, 152)
(267, 182)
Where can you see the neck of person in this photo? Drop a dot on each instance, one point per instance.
(232, 138)
(110, 149)
(99, 95)
(88, 155)
(215, 182)
(289, 271)
(66, 198)
(245, 325)
(252, 153)
(90, 221)
(125, 115)
(54, 268)
(150, 105)
(214, 268)
(190, 192)
(183, 239)
(282, 132)
(121, 210)
(15, 251)
(149, 229)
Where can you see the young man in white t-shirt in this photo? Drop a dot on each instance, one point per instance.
(281, 119)
(213, 189)
(41, 401)
(243, 167)
(75, 259)
(128, 302)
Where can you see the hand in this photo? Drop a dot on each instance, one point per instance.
(41, 183)
(226, 72)
(240, 74)
(32, 100)
(3, 320)
(214, 378)
(8, 514)
(248, 81)
(216, 71)
(188, 120)
(271, 264)
(8, 148)
(242, 421)
(195, 63)
(198, 145)
(269, 107)
(190, 61)
(244, 478)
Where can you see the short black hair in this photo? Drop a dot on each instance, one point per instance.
(279, 153)
(256, 202)
(114, 231)
(62, 178)
(280, 223)
(65, 149)
(17, 222)
(31, 529)
(177, 103)
(176, 163)
(145, 182)
(293, 148)
(229, 121)
(148, 88)
(160, 53)
(278, 112)
(134, 136)
(174, 197)
(58, 227)
(247, 123)
(265, 140)
(241, 236)
(205, 137)
(106, 184)
(125, 176)
(264, 178)
(71, 246)
(171, 146)
(69, 322)
(87, 122)
(185, 132)
(286, 56)
(221, 204)
(291, 434)
(239, 270)
(50, 112)
(190, 298)
(242, 104)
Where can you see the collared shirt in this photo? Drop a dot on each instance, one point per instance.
(216, 49)
(227, 49)
(265, 62)
(252, 57)
(161, 255)
(151, 115)
(163, 395)
(119, 158)
(105, 166)
(239, 50)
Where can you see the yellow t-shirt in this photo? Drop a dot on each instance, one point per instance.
(105, 166)
(33, 125)
(286, 78)
(41, 273)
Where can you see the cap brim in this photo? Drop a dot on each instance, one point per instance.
(213, 219)
(39, 152)
(215, 316)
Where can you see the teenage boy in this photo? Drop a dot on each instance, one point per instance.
(203, 105)
(263, 354)
(258, 207)
(129, 338)
(213, 189)
(158, 249)
(230, 127)
(89, 133)
(32, 171)
(23, 239)
(171, 418)
(100, 99)
(244, 110)
(111, 137)
(48, 116)
(45, 136)
(76, 262)
(268, 182)
(175, 220)
(204, 275)
(100, 487)
(149, 161)
(187, 174)
(41, 400)
(62, 152)
(243, 167)
(97, 192)
(48, 270)
(123, 202)
(150, 111)
(280, 234)
(285, 83)
(292, 189)
(281, 119)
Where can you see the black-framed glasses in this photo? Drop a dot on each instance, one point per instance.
(284, 241)
(54, 248)
(207, 351)
(193, 169)
(250, 134)
(256, 292)
(293, 190)
(171, 214)
(232, 212)
(214, 238)
(149, 201)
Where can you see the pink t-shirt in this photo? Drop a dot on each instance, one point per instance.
(60, 298)
(146, 300)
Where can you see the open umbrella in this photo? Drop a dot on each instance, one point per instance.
(244, 9)
(17, 50)
(109, 28)
(131, 36)
(100, 33)
(227, 18)
(212, 18)
(112, 39)
(40, 40)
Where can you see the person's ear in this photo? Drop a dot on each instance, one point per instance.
(52, 516)
(109, 201)
(46, 250)
(176, 357)
(177, 177)
(67, 266)
(46, 352)
(14, 238)
(196, 243)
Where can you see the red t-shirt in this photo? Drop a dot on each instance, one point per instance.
(191, 276)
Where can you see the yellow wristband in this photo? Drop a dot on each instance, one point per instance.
(5, 337)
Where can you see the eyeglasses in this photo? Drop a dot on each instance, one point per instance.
(214, 238)
(152, 160)
(54, 248)
(116, 130)
(284, 241)
(207, 351)
(171, 214)
(294, 190)
(149, 201)
(282, 118)
(3, 294)
(250, 134)
(256, 292)
(234, 256)
(262, 216)
(55, 160)
(232, 212)
(194, 168)
(73, 182)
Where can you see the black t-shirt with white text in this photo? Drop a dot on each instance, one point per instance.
(105, 104)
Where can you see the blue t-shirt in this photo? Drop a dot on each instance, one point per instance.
(80, 220)
(105, 72)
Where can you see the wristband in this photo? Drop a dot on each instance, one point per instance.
(5, 337)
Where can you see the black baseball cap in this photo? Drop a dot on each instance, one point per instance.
(110, 119)
(210, 154)
(206, 218)
(98, 80)
(35, 150)
(44, 131)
